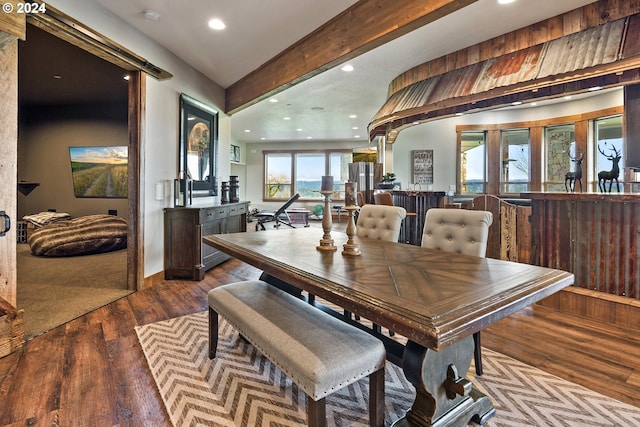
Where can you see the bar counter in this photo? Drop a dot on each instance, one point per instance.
(596, 236)
(417, 202)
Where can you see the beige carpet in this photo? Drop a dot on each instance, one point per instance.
(53, 291)
(242, 388)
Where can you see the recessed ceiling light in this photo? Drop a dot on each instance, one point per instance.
(516, 103)
(309, 137)
(533, 104)
(151, 15)
(505, 1)
(348, 68)
(568, 97)
(286, 118)
(459, 114)
(357, 136)
(353, 116)
(57, 76)
(273, 100)
(247, 130)
(593, 89)
(217, 24)
(263, 139)
(298, 130)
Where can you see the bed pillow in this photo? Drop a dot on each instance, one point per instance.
(85, 235)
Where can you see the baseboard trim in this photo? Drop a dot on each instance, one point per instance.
(154, 279)
(620, 311)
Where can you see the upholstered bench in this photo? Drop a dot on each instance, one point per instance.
(320, 353)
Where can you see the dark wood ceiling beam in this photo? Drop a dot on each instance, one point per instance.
(359, 29)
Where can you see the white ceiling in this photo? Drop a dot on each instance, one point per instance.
(258, 30)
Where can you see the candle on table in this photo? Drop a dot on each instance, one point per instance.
(327, 183)
(349, 194)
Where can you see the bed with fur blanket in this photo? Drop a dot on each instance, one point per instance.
(84, 235)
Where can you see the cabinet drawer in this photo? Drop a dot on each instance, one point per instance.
(237, 210)
(215, 213)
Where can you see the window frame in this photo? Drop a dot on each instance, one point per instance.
(485, 178)
(294, 153)
(584, 136)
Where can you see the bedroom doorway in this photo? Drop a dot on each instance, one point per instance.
(69, 97)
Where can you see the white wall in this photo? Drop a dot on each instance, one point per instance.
(46, 146)
(440, 135)
(160, 134)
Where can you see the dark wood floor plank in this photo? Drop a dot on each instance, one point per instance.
(138, 399)
(180, 298)
(34, 386)
(146, 307)
(117, 319)
(596, 355)
(87, 395)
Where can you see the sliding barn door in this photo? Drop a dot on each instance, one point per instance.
(8, 161)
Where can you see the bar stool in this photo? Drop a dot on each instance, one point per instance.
(385, 198)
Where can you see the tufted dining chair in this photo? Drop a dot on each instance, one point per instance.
(463, 231)
(380, 222)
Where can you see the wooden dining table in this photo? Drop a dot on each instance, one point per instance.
(435, 299)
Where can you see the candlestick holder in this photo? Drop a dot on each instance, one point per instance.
(326, 243)
(351, 248)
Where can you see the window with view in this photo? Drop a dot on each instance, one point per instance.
(608, 152)
(515, 161)
(473, 171)
(560, 149)
(278, 172)
(288, 173)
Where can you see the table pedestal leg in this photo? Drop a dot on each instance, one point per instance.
(443, 396)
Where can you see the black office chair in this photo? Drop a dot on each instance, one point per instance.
(279, 217)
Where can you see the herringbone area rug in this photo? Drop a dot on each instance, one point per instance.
(242, 388)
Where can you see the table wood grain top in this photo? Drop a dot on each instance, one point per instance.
(432, 297)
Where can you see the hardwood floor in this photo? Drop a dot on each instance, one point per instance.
(91, 371)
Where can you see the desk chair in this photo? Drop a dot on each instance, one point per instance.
(279, 217)
(463, 231)
(386, 198)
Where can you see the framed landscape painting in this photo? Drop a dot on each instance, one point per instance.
(99, 172)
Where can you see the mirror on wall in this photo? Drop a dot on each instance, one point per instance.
(198, 154)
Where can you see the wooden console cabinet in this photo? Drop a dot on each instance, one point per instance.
(185, 257)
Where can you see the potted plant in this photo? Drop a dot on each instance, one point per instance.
(388, 181)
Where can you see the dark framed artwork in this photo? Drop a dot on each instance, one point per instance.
(422, 166)
(198, 148)
(99, 172)
(235, 153)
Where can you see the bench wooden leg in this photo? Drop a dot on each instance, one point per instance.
(376, 398)
(213, 333)
(316, 412)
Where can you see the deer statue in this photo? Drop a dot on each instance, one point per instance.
(576, 175)
(604, 176)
